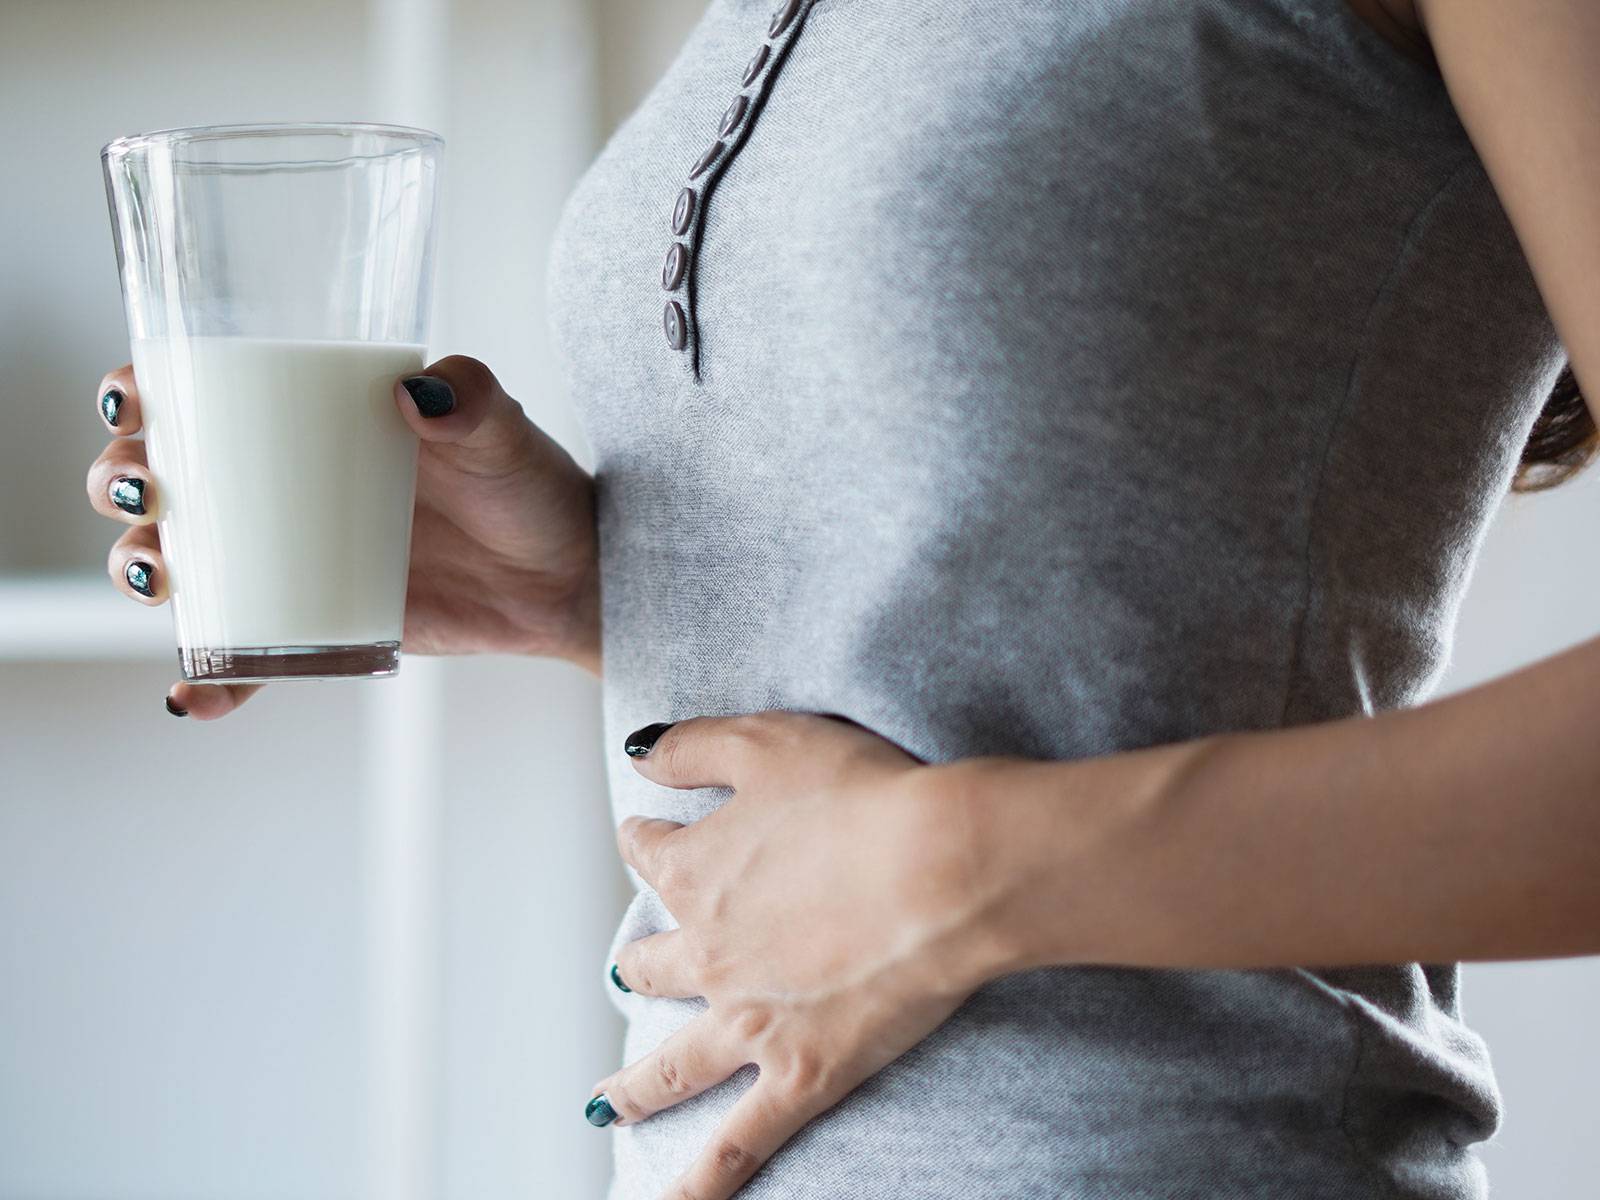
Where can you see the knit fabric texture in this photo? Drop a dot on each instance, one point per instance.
(1059, 377)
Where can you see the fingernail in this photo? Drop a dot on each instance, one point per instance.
(111, 406)
(432, 395)
(138, 575)
(616, 978)
(641, 741)
(175, 710)
(127, 493)
(598, 1112)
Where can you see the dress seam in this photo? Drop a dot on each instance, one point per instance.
(1358, 1039)
(1314, 504)
(762, 90)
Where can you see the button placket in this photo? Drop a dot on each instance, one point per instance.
(753, 67)
(733, 114)
(675, 266)
(688, 212)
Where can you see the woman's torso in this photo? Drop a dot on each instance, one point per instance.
(1059, 378)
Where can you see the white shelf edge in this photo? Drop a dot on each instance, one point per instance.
(78, 618)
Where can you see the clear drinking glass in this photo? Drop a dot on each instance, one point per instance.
(276, 280)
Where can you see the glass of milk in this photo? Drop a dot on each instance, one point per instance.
(276, 280)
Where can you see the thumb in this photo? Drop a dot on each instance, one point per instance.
(458, 401)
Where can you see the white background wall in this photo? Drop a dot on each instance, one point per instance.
(187, 916)
(1537, 590)
(201, 991)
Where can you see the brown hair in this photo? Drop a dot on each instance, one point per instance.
(1563, 441)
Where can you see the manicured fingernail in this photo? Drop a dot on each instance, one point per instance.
(127, 493)
(175, 710)
(598, 1112)
(641, 741)
(111, 406)
(139, 576)
(432, 395)
(616, 978)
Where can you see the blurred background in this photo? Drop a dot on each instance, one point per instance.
(348, 943)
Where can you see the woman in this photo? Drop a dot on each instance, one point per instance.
(1091, 410)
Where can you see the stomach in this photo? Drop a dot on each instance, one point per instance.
(1117, 1084)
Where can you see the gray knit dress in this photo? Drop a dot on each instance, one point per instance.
(1053, 378)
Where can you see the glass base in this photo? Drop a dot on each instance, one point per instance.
(277, 664)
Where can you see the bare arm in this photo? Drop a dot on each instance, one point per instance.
(1468, 828)
(1525, 78)
(1465, 829)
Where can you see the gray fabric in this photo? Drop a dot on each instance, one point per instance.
(1072, 376)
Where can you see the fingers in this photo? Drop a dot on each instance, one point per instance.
(136, 567)
(645, 844)
(705, 751)
(117, 402)
(208, 701)
(458, 402)
(120, 486)
(658, 966)
(695, 1058)
(764, 1119)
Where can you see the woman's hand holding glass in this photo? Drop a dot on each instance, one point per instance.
(503, 550)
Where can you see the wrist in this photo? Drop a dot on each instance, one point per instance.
(580, 640)
(1065, 855)
(561, 603)
(550, 618)
(973, 804)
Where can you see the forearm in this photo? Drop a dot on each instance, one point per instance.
(1468, 828)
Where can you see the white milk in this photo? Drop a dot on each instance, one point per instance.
(283, 482)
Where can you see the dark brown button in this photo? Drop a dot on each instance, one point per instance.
(672, 271)
(677, 329)
(784, 17)
(753, 68)
(703, 163)
(734, 114)
(683, 212)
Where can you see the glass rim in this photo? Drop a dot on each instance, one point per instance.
(183, 134)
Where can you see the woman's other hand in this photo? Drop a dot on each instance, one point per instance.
(503, 549)
(830, 912)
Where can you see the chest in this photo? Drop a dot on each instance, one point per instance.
(998, 199)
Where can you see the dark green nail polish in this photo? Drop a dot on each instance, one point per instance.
(598, 1112)
(432, 395)
(127, 493)
(175, 710)
(111, 406)
(138, 575)
(616, 978)
(641, 741)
